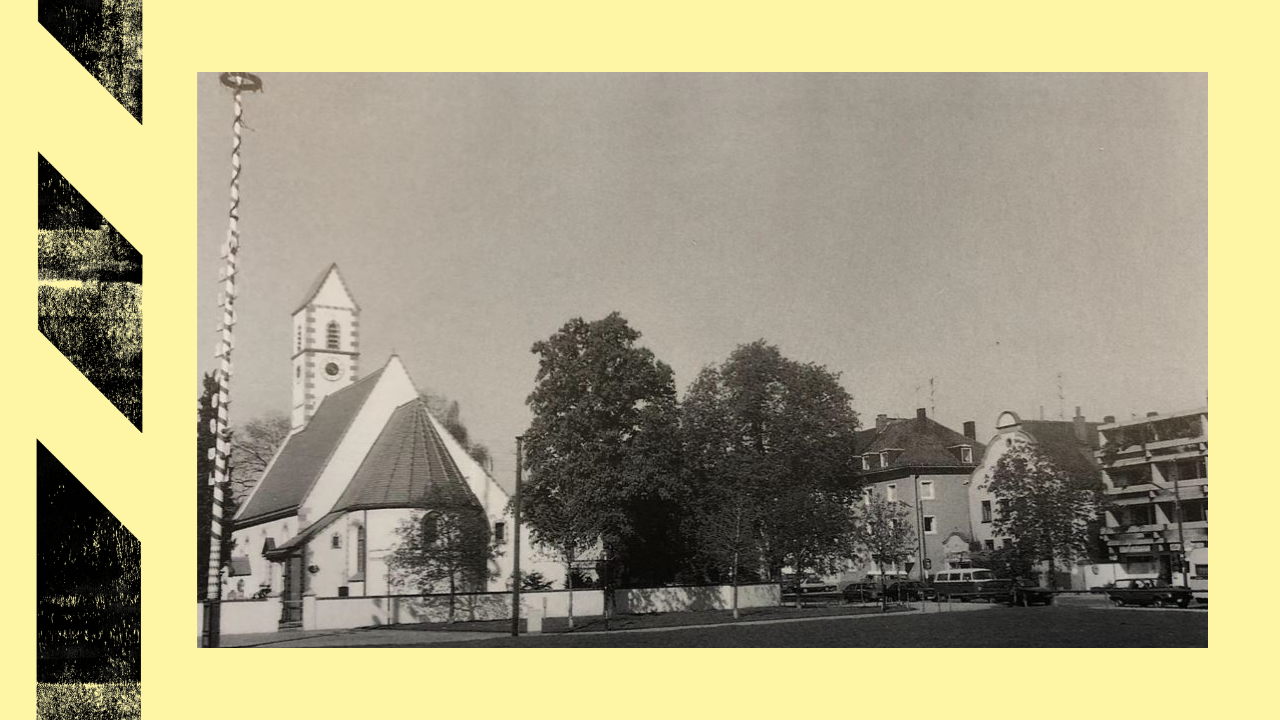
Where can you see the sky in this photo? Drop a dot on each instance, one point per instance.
(1014, 242)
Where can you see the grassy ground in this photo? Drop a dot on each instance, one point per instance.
(75, 701)
(656, 620)
(997, 627)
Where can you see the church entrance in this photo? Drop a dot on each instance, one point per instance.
(294, 582)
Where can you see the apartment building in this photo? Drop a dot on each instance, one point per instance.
(1156, 473)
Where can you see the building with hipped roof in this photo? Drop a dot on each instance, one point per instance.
(365, 455)
(926, 465)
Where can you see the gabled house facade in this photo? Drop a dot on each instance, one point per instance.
(1070, 444)
(926, 465)
(365, 455)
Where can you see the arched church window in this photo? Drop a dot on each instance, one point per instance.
(360, 550)
(331, 336)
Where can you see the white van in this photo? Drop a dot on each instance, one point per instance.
(967, 584)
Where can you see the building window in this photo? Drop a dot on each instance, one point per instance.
(500, 532)
(335, 541)
(1190, 470)
(865, 465)
(884, 459)
(930, 527)
(332, 336)
(1195, 510)
(360, 551)
(891, 493)
(986, 511)
(966, 454)
(989, 545)
(926, 489)
(1142, 515)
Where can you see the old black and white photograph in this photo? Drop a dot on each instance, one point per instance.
(698, 360)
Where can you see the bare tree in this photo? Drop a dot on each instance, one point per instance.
(255, 443)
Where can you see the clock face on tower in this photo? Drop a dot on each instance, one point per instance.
(332, 371)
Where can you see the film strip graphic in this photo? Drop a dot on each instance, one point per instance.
(90, 292)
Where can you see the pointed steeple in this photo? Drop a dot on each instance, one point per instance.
(326, 343)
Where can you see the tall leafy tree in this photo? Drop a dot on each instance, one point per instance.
(883, 531)
(603, 450)
(444, 549)
(1044, 510)
(770, 441)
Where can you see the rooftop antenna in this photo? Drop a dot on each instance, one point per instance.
(1062, 407)
(220, 453)
(933, 410)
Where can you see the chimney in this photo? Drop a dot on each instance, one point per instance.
(881, 421)
(1109, 419)
(1081, 430)
(921, 414)
(971, 429)
(1153, 413)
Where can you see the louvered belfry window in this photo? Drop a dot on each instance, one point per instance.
(332, 336)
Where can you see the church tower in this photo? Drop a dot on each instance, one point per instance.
(326, 344)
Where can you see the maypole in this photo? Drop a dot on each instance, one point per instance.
(239, 82)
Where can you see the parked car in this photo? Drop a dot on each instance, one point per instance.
(813, 584)
(908, 591)
(864, 591)
(1149, 591)
(1027, 593)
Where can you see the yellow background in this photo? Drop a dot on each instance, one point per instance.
(143, 179)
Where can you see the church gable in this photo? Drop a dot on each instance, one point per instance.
(299, 462)
(392, 389)
(329, 290)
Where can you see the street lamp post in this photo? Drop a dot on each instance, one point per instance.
(515, 572)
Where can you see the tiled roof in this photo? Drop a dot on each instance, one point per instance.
(301, 538)
(923, 442)
(1057, 439)
(306, 452)
(408, 466)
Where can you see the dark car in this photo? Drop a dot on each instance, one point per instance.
(1028, 593)
(908, 591)
(865, 591)
(1147, 591)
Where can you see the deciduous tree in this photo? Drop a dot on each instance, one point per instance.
(603, 450)
(882, 529)
(444, 548)
(1044, 510)
(770, 443)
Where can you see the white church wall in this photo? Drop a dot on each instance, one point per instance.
(393, 389)
(244, 616)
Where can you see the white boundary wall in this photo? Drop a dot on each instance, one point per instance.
(331, 613)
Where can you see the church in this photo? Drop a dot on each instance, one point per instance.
(364, 455)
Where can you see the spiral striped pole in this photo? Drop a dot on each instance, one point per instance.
(220, 453)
